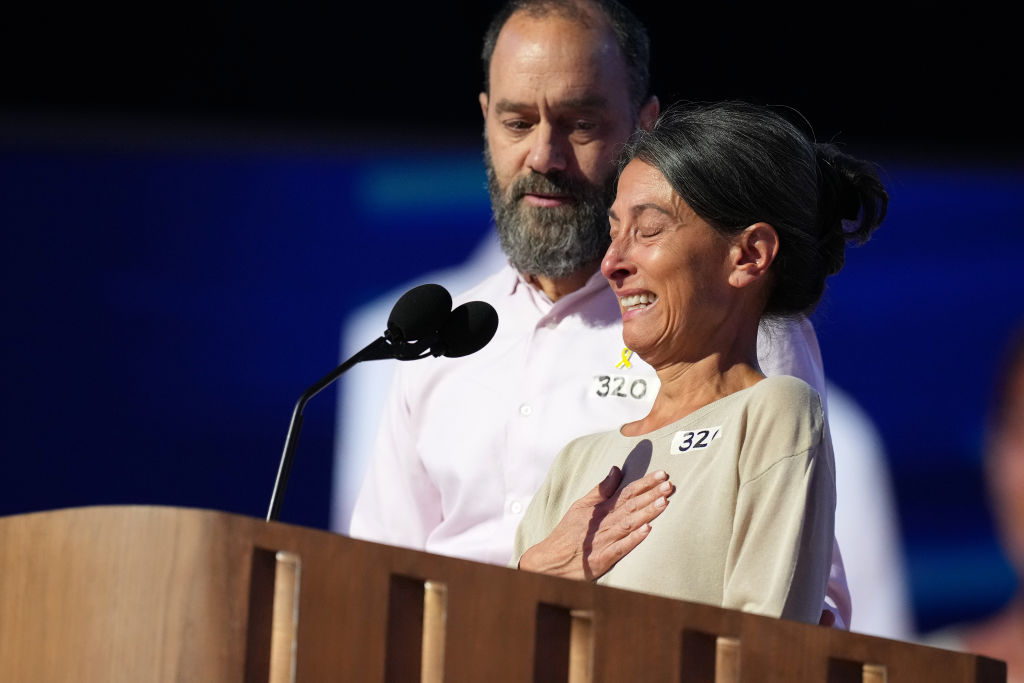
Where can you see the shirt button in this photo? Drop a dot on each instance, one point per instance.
(516, 508)
(525, 410)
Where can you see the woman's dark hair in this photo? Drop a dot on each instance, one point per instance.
(737, 163)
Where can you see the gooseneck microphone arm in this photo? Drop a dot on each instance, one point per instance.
(421, 324)
(375, 350)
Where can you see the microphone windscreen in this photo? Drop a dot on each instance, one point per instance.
(468, 329)
(420, 312)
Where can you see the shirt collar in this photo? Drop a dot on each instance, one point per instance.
(515, 280)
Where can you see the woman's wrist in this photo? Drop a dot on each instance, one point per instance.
(543, 558)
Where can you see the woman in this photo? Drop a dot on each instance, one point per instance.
(725, 215)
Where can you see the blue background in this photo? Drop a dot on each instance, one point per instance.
(189, 212)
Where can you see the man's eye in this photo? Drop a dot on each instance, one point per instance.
(517, 124)
(648, 232)
(585, 125)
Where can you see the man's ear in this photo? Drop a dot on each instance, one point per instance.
(752, 253)
(649, 113)
(483, 104)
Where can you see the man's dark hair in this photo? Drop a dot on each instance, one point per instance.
(630, 35)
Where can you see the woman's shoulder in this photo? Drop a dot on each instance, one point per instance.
(784, 415)
(784, 393)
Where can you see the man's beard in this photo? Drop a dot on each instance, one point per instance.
(551, 241)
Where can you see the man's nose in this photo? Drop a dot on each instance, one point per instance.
(548, 151)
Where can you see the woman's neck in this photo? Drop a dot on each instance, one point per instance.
(687, 387)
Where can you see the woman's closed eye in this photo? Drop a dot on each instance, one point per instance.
(649, 231)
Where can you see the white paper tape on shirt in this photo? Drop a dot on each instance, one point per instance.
(685, 441)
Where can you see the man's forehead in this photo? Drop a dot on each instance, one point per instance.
(551, 42)
(579, 66)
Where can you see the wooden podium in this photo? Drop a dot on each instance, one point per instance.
(145, 594)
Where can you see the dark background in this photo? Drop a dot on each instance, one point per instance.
(194, 196)
(893, 74)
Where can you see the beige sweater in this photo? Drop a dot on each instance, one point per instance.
(751, 523)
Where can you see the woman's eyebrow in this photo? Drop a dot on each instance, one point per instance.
(640, 208)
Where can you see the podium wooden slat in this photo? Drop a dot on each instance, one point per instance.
(164, 594)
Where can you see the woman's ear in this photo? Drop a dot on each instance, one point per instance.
(752, 253)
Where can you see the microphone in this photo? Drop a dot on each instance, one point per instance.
(463, 331)
(418, 313)
(467, 330)
(422, 323)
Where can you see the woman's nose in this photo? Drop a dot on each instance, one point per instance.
(615, 266)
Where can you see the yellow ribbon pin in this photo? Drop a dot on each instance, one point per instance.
(626, 355)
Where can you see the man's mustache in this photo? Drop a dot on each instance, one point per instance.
(539, 183)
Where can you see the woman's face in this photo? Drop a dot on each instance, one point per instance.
(668, 267)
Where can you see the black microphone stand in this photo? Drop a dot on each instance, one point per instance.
(423, 313)
(387, 346)
(375, 350)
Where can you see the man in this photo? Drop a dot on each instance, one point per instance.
(464, 443)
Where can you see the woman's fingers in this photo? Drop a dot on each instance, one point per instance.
(628, 523)
(643, 511)
(601, 493)
(576, 549)
(652, 481)
(610, 484)
(644, 499)
(636, 506)
(622, 547)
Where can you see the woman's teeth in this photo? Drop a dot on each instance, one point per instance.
(637, 301)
